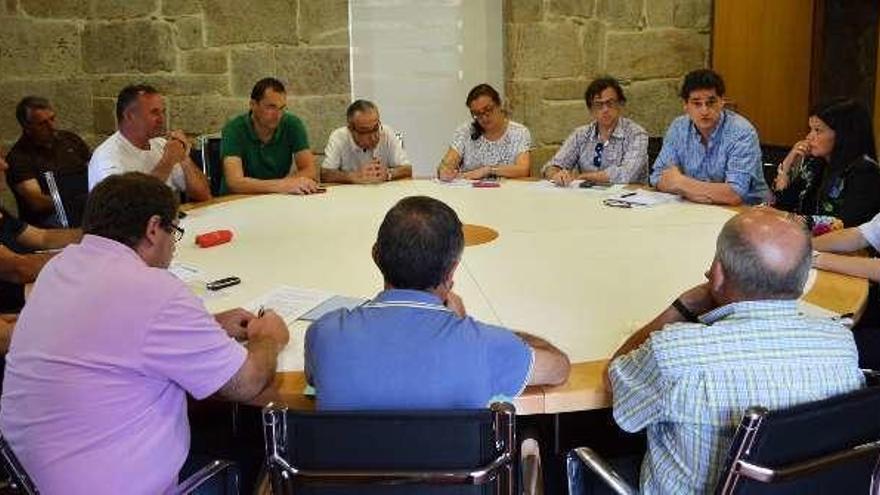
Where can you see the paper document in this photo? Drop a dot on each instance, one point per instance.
(641, 198)
(186, 273)
(575, 185)
(289, 302)
(546, 184)
(332, 304)
(454, 182)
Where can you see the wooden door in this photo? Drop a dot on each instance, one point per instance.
(763, 49)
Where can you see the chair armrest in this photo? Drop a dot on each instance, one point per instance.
(599, 466)
(872, 377)
(205, 474)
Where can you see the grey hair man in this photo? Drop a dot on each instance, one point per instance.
(687, 379)
(142, 144)
(365, 151)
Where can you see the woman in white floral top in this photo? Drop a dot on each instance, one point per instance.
(491, 145)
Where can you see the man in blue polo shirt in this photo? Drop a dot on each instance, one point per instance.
(413, 346)
(266, 150)
(710, 155)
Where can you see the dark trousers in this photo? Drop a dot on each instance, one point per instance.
(867, 331)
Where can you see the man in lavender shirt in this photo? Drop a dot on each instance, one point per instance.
(110, 343)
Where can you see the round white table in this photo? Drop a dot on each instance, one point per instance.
(564, 266)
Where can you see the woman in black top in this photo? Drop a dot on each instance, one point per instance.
(833, 172)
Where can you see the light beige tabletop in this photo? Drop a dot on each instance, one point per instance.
(563, 266)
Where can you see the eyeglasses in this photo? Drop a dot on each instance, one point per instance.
(609, 104)
(708, 103)
(489, 110)
(597, 157)
(367, 132)
(175, 230)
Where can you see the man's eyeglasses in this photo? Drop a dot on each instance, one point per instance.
(366, 132)
(489, 110)
(708, 103)
(176, 230)
(609, 104)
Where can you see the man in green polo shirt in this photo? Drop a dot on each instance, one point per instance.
(259, 147)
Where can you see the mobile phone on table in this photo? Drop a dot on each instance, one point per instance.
(222, 283)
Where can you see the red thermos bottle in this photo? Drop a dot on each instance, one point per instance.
(214, 238)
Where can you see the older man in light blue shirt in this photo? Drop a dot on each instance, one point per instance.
(710, 155)
(687, 380)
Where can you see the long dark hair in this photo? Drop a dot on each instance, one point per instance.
(853, 131)
(478, 91)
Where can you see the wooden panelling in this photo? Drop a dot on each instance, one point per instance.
(763, 51)
(877, 97)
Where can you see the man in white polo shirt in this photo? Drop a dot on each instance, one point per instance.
(142, 145)
(365, 151)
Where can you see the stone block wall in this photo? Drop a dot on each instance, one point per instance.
(205, 55)
(556, 47)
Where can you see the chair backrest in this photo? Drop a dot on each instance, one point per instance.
(69, 193)
(655, 144)
(206, 154)
(17, 475)
(387, 452)
(828, 446)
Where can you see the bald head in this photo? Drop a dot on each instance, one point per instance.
(764, 254)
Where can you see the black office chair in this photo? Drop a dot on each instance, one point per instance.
(222, 474)
(18, 478)
(827, 446)
(388, 452)
(206, 154)
(771, 157)
(69, 193)
(655, 144)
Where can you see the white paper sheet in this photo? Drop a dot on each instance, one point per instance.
(645, 198)
(289, 302)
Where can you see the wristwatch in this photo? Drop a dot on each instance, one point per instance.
(493, 172)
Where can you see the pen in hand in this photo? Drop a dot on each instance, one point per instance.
(261, 311)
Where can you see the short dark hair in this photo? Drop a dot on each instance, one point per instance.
(701, 79)
(747, 272)
(129, 95)
(120, 207)
(265, 83)
(360, 106)
(27, 105)
(477, 91)
(853, 130)
(601, 84)
(418, 243)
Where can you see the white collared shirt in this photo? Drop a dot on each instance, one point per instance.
(342, 153)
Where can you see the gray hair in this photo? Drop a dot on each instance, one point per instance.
(748, 273)
(360, 106)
